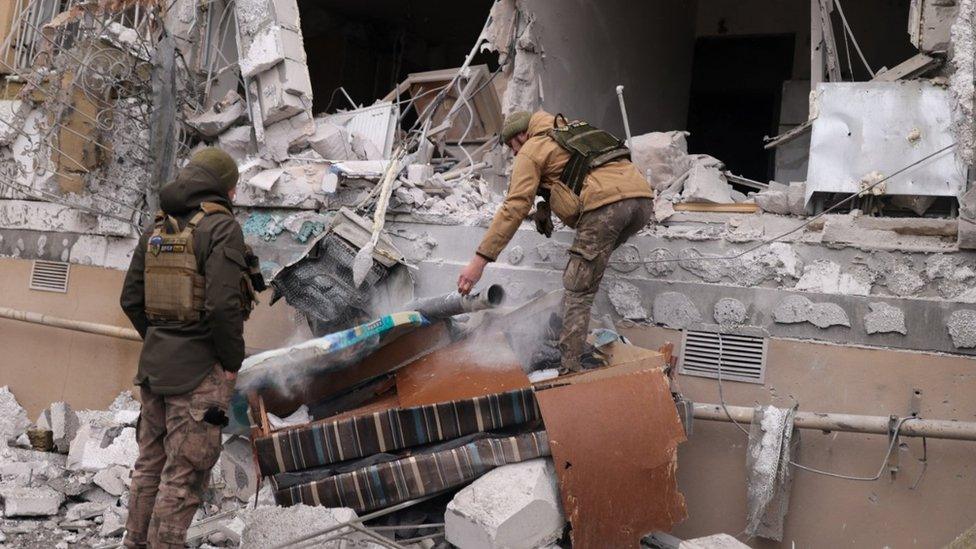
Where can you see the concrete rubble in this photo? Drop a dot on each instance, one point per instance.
(516, 506)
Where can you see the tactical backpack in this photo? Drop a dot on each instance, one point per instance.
(590, 148)
(173, 285)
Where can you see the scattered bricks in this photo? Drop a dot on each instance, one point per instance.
(13, 418)
(514, 506)
(220, 116)
(114, 480)
(62, 421)
(30, 502)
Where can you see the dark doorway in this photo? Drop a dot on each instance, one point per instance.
(736, 89)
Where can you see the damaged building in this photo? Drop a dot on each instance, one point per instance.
(800, 311)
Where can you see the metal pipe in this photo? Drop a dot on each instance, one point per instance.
(848, 423)
(623, 113)
(453, 303)
(64, 323)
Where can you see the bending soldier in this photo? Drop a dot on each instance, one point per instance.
(585, 177)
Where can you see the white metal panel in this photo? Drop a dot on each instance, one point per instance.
(375, 123)
(865, 127)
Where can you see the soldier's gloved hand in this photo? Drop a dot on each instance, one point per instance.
(543, 219)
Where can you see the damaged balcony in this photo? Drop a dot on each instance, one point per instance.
(810, 257)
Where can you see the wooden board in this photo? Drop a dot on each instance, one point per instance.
(614, 435)
(465, 369)
(744, 207)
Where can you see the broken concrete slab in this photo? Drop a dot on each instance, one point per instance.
(797, 309)
(83, 511)
(332, 142)
(884, 319)
(266, 179)
(273, 526)
(716, 541)
(222, 115)
(285, 91)
(660, 156)
(706, 183)
(826, 277)
(514, 506)
(775, 199)
(113, 521)
(675, 310)
(95, 448)
(269, 47)
(30, 502)
(626, 300)
(237, 143)
(62, 421)
(290, 134)
(114, 480)
(962, 328)
(13, 417)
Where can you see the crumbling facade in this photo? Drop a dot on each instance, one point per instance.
(839, 229)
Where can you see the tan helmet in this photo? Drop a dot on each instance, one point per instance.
(218, 163)
(515, 123)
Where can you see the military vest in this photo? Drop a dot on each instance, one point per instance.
(589, 148)
(173, 284)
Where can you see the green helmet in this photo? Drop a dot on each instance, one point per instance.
(219, 163)
(515, 123)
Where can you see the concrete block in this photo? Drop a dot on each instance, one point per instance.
(13, 417)
(222, 115)
(775, 199)
(273, 526)
(63, 421)
(287, 135)
(83, 511)
(514, 506)
(663, 155)
(113, 521)
(30, 502)
(707, 184)
(237, 143)
(114, 480)
(285, 91)
(717, 541)
(271, 46)
(237, 464)
(95, 448)
(331, 141)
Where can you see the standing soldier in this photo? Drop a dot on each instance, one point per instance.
(187, 292)
(584, 176)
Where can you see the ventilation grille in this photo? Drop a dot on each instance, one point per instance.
(50, 276)
(742, 356)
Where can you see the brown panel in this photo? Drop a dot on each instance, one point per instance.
(614, 435)
(398, 352)
(466, 369)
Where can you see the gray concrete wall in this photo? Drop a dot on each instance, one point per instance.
(591, 47)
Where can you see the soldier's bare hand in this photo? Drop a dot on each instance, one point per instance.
(471, 274)
(230, 376)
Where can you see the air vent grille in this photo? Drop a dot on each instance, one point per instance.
(742, 356)
(50, 276)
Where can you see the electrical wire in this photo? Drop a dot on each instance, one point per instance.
(894, 434)
(799, 227)
(848, 30)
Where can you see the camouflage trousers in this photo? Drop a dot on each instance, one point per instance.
(177, 449)
(598, 233)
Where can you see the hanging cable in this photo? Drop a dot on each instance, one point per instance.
(849, 31)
